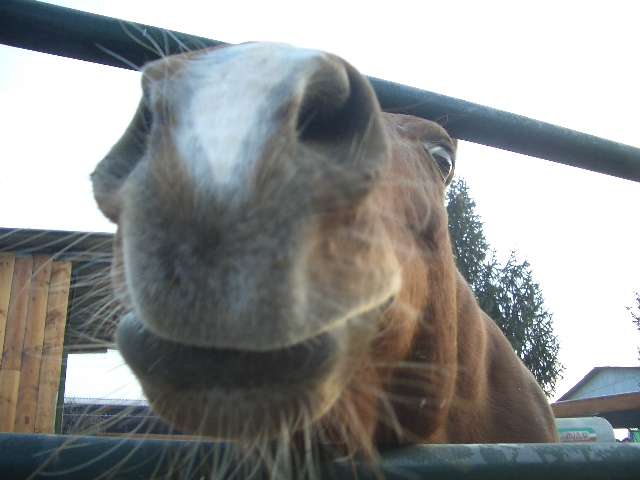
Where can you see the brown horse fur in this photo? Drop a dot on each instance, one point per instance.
(284, 256)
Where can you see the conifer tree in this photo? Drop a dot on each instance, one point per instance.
(507, 292)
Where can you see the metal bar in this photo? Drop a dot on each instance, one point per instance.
(85, 36)
(95, 38)
(72, 458)
(508, 131)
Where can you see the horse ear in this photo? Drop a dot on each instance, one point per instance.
(113, 170)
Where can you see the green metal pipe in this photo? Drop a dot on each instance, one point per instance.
(95, 38)
(71, 458)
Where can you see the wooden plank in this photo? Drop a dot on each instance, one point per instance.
(32, 348)
(9, 382)
(17, 314)
(588, 407)
(50, 366)
(7, 261)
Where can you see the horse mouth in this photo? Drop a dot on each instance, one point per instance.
(230, 394)
(165, 364)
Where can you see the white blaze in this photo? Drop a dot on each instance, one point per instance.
(226, 107)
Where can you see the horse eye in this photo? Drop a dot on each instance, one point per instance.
(443, 158)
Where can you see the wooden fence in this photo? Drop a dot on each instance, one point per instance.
(34, 296)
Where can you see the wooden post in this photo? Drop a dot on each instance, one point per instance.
(7, 261)
(52, 346)
(32, 349)
(13, 340)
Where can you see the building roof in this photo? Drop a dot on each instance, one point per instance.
(89, 325)
(592, 374)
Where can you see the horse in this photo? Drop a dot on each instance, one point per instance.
(283, 256)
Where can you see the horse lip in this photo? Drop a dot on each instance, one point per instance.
(168, 364)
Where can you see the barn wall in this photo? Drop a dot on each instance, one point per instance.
(34, 296)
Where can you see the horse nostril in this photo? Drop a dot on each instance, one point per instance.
(339, 129)
(336, 106)
(321, 114)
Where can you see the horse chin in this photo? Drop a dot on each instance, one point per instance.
(244, 416)
(240, 395)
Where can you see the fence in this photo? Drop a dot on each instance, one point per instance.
(57, 30)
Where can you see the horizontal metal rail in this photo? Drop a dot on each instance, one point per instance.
(84, 36)
(68, 457)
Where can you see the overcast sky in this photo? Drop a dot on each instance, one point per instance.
(570, 63)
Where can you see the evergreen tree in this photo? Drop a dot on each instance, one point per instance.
(507, 293)
(467, 236)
